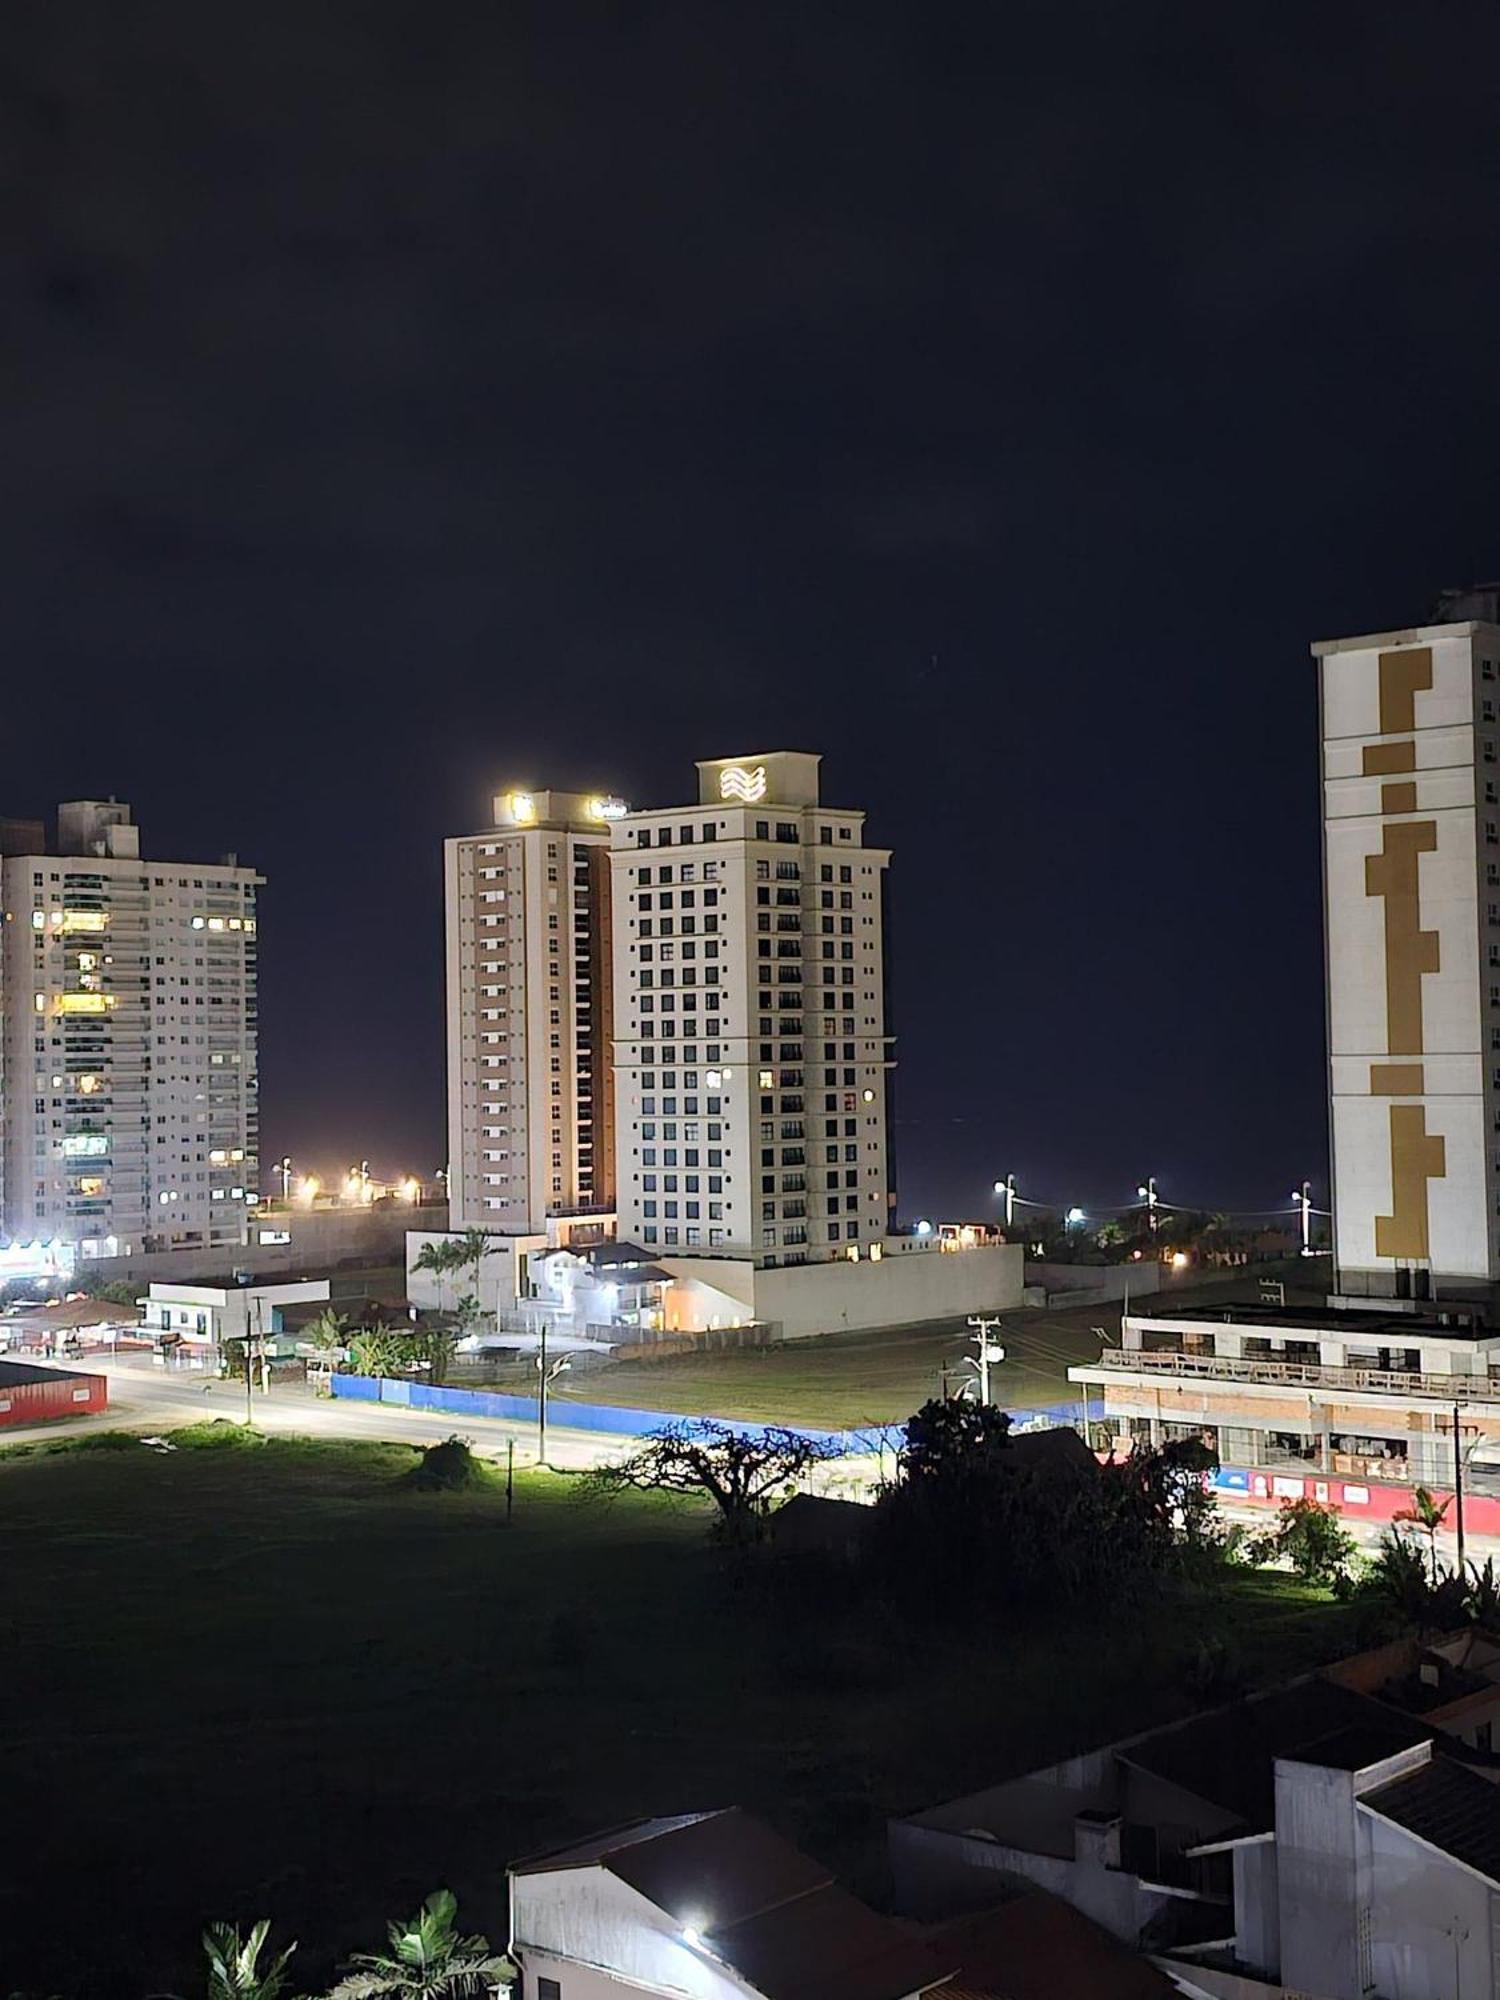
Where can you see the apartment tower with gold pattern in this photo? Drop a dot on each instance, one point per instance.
(1411, 861)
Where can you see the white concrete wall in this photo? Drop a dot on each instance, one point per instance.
(836, 1298)
(598, 1938)
(1257, 1931)
(1435, 1926)
(805, 1300)
(497, 1274)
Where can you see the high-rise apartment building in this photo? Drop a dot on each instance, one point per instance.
(1411, 791)
(750, 1049)
(129, 1093)
(530, 1119)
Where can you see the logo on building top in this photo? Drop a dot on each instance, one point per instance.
(735, 782)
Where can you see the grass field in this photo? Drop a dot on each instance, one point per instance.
(273, 1680)
(872, 1378)
(853, 1378)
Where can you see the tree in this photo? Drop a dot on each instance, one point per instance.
(329, 1329)
(1427, 1515)
(430, 1346)
(440, 1259)
(428, 1960)
(234, 1968)
(473, 1246)
(1309, 1538)
(378, 1350)
(951, 1431)
(742, 1472)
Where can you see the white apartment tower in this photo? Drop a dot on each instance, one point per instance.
(1411, 803)
(750, 1047)
(530, 1126)
(130, 1119)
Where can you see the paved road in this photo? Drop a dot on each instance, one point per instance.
(145, 1397)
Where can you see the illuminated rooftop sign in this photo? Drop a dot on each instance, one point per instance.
(749, 786)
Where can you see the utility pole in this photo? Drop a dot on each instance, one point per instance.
(1458, 1491)
(985, 1353)
(1148, 1196)
(1303, 1198)
(548, 1377)
(541, 1401)
(1007, 1190)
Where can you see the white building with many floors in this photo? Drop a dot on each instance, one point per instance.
(130, 1109)
(1411, 803)
(751, 1050)
(530, 1130)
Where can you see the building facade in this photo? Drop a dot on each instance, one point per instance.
(751, 1053)
(1308, 1840)
(130, 1086)
(1411, 803)
(530, 1085)
(1351, 1407)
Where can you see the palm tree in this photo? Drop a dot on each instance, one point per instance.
(1427, 1515)
(475, 1245)
(440, 1259)
(428, 1960)
(234, 1968)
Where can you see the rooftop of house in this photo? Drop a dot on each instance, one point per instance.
(1037, 1947)
(1393, 1329)
(1058, 1453)
(1228, 1757)
(1449, 1807)
(759, 1905)
(1225, 1759)
(15, 1374)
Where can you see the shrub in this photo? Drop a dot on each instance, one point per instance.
(219, 1434)
(449, 1467)
(1308, 1537)
(95, 1441)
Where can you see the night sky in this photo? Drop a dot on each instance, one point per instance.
(405, 400)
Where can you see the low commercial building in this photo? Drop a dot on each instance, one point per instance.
(33, 1395)
(1309, 1840)
(209, 1315)
(1352, 1407)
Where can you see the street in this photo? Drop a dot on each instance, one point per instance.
(146, 1397)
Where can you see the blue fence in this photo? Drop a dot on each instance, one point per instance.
(568, 1415)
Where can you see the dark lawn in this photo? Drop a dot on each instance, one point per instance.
(271, 1680)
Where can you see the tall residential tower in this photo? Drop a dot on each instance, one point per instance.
(1411, 803)
(750, 1047)
(130, 1110)
(530, 1118)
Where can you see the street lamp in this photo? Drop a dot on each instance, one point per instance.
(1007, 1189)
(1302, 1198)
(1148, 1196)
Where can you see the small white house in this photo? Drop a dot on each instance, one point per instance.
(208, 1315)
(714, 1906)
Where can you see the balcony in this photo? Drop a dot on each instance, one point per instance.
(1298, 1374)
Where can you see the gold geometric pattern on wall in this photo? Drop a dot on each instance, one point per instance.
(1417, 1156)
(1394, 874)
(1409, 950)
